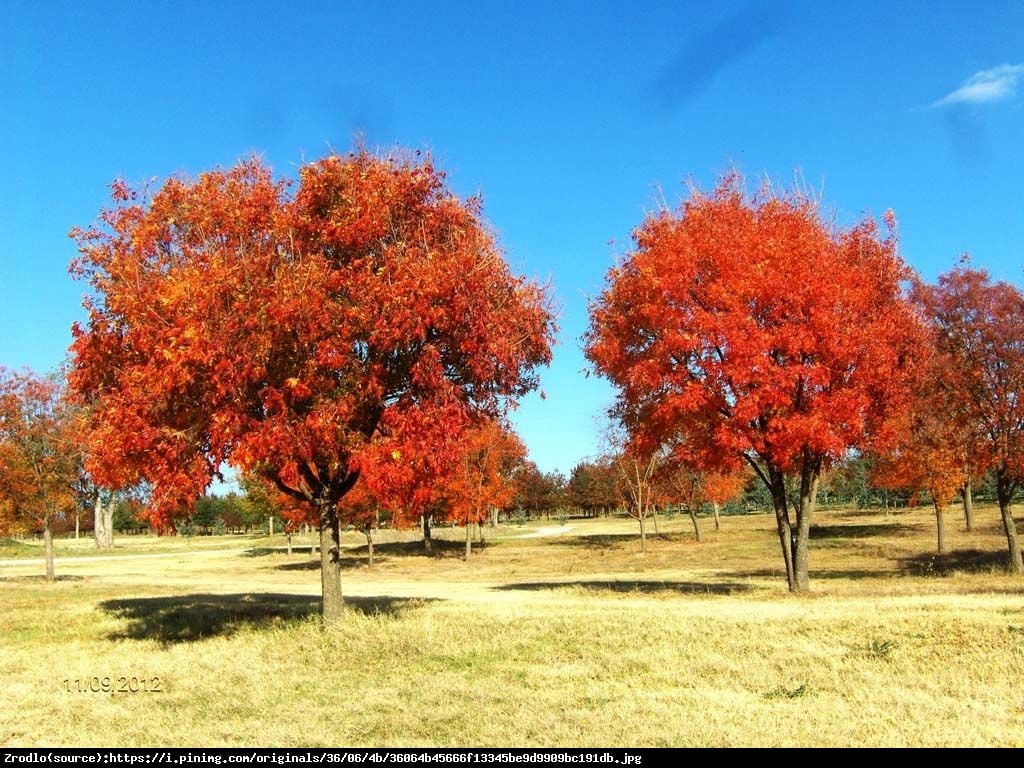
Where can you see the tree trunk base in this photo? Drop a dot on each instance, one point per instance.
(330, 571)
(48, 547)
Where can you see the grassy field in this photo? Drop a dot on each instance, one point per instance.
(551, 635)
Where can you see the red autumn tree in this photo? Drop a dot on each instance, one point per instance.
(482, 476)
(927, 452)
(722, 487)
(978, 325)
(40, 456)
(290, 328)
(538, 491)
(409, 480)
(754, 331)
(692, 488)
(592, 487)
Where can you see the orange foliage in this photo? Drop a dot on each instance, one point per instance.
(299, 331)
(750, 330)
(40, 452)
(482, 476)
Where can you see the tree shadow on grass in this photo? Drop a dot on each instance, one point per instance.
(643, 587)
(439, 548)
(860, 531)
(358, 556)
(849, 573)
(40, 578)
(959, 560)
(300, 563)
(188, 618)
(606, 541)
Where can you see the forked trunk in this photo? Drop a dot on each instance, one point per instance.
(330, 565)
(808, 494)
(777, 487)
(968, 496)
(696, 525)
(48, 548)
(718, 525)
(940, 527)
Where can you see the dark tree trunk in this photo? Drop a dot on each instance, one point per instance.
(808, 494)
(48, 549)
(330, 564)
(718, 525)
(968, 496)
(369, 545)
(428, 544)
(940, 527)
(777, 488)
(696, 525)
(288, 541)
(1004, 489)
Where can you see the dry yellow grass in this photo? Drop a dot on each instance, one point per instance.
(568, 639)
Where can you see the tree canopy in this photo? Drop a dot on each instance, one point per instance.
(749, 329)
(294, 329)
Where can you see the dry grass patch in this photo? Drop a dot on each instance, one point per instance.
(569, 640)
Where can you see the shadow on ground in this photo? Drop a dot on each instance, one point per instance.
(187, 618)
(860, 531)
(845, 573)
(957, 561)
(643, 587)
(40, 578)
(599, 541)
(358, 556)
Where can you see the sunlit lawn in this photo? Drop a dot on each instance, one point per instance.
(567, 638)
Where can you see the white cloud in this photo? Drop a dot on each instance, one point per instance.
(985, 86)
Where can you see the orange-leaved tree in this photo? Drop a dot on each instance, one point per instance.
(978, 324)
(722, 487)
(754, 331)
(40, 456)
(288, 328)
(482, 477)
(692, 488)
(927, 450)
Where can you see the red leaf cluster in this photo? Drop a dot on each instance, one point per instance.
(296, 331)
(750, 327)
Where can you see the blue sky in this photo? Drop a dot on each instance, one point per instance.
(572, 119)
